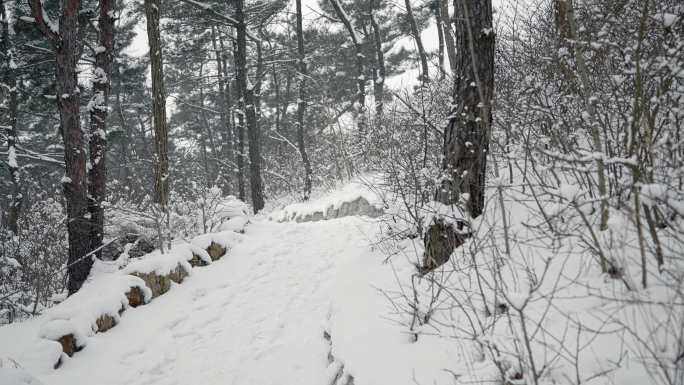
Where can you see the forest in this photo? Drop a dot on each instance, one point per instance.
(422, 191)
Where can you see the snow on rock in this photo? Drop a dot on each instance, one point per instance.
(96, 307)
(353, 199)
(161, 264)
(230, 208)
(235, 224)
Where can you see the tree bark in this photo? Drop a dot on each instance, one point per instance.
(379, 78)
(424, 76)
(224, 100)
(445, 22)
(65, 43)
(361, 78)
(301, 103)
(240, 129)
(97, 173)
(249, 108)
(161, 170)
(440, 39)
(466, 137)
(10, 79)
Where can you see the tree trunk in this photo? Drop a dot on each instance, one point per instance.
(66, 46)
(445, 22)
(379, 78)
(440, 39)
(361, 78)
(161, 169)
(240, 130)
(424, 76)
(224, 100)
(249, 108)
(9, 68)
(98, 124)
(301, 104)
(466, 137)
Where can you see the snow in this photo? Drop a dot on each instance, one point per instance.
(255, 317)
(162, 264)
(259, 315)
(16, 376)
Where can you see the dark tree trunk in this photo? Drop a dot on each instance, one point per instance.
(424, 76)
(240, 129)
(361, 78)
(224, 100)
(161, 169)
(379, 78)
(249, 108)
(466, 137)
(97, 173)
(66, 46)
(8, 67)
(301, 103)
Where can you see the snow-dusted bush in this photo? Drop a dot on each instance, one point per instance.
(32, 263)
(574, 273)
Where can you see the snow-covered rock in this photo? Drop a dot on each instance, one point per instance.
(354, 199)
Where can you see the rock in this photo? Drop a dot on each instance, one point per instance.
(141, 247)
(68, 343)
(160, 284)
(135, 297)
(197, 261)
(440, 240)
(104, 323)
(216, 251)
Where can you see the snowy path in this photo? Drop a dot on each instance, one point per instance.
(255, 317)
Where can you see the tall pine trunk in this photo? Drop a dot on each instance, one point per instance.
(98, 123)
(66, 45)
(249, 107)
(466, 137)
(379, 78)
(161, 156)
(225, 102)
(240, 128)
(422, 56)
(358, 48)
(301, 103)
(8, 67)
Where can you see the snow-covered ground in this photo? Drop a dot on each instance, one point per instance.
(315, 302)
(257, 316)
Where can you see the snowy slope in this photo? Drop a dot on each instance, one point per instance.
(255, 317)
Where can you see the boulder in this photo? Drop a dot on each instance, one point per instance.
(215, 251)
(69, 346)
(160, 284)
(105, 322)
